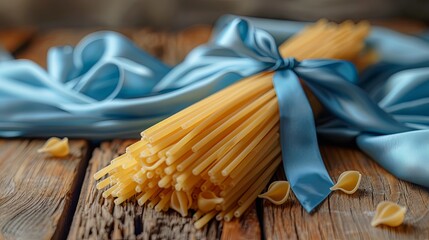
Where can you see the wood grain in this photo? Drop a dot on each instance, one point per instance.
(344, 216)
(246, 227)
(36, 191)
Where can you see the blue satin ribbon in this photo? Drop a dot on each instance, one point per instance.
(246, 50)
(391, 46)
(107, 88)
(302, 162)
(103, 88)
(391, 123)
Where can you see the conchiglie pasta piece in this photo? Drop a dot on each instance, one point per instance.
(56, 147)
(180, 202)
(277, 192)
(389, 213)
(348, 182)
(208, 201)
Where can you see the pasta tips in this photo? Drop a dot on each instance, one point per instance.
(389, 213)
(277, 193)
(348, 182)
(55, 147)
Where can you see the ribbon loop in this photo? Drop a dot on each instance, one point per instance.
(285, 63)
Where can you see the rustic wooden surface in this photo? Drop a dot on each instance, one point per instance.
(37, 191)
(43, 198)
(344, 216)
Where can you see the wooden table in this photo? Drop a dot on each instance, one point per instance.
(43, 198)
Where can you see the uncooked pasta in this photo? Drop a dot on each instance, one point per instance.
(218, 155)
(56, 147)
(348, 182)
(389, 214)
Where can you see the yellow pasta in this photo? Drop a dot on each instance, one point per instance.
(56, 147)
(389, 214)
(277, 193)
(218, 155)
(348, 182)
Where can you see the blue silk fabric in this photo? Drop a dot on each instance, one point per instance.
(106, 87)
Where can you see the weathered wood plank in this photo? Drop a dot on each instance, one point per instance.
(245, 228)
(36, 190)
(344, 216)
(99, 218)
(13, 39)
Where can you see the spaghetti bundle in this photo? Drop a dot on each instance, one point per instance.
(218, 155)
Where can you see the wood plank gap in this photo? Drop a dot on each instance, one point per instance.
(63, 231)
(22, 48)
(13, 39)
(35, 189)
(260, 216)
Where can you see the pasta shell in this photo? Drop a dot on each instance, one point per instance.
(277, 192)
(348, 182)
(179, 202)
(207, 201)
(56, 147)
(389, 213)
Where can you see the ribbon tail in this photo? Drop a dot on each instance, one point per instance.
(405, 155)
(302, 162)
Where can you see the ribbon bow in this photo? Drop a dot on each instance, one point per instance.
(241, 50)
(244, 50)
